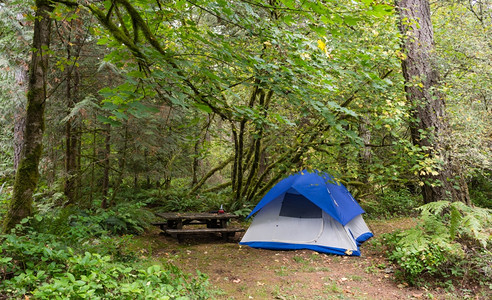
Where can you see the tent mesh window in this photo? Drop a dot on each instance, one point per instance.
(298, 206)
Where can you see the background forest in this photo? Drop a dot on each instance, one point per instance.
(189, 105)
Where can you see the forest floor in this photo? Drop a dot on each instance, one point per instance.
(241, 272)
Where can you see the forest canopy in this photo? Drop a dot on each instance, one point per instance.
(229, 96)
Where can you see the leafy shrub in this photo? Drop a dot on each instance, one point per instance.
(124, 218)
(449, 234)
(180, 200)
(4, 196)
(244, 211)
(481, 191)
(44, 266)
(417, 253)
(92, 276)
(128, 218)
(392, 203)
(106, 231)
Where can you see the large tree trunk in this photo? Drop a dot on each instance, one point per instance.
(429, 124)
(27, 174)
(70, 147)
(21, 75)
(20, 113)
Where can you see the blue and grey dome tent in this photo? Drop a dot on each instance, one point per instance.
(308, 210)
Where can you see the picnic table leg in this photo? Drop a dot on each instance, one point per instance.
(212, 223)
(228, 235)
(171, 224)
(223, 223)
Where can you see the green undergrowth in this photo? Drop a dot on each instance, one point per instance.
(180, 200)
(392, 203)
(450, 246)
(81, 255)
(480, 188)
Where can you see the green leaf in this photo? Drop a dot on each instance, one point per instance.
(381, 10)
(203, 107)
(107, 120)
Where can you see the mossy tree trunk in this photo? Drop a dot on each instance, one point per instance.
(27, 174)
(430, 124)
(70, 138)
(20, 113)
(21, 73)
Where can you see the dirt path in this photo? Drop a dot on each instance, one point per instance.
(239, 272)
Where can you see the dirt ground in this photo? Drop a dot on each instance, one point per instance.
(241, 272)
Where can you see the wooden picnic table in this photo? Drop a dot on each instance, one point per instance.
(173, 223)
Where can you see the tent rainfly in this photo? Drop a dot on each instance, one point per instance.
(308, 210)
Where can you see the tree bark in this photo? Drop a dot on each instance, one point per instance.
(122, 158)
(106, 164)
(264, 101)
(27, 174)
(20, 114)
(70, 147)
(20, 65)
(194, 166)
(429, 124)
(239, 167)
(210, 173)
(197, 161)
(72, 128)
(365, 157)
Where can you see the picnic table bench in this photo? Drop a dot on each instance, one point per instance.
(173, 223)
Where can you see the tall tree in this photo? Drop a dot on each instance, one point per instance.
(242, 62)
(15, 40)
(27, 174)
(429, 125)
(71, 34)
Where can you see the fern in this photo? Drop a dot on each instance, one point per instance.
(89, 103)
(454, 222)
(477, 227)
(433, 208)
(436, 245)
(460, 219)
(475, 224)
